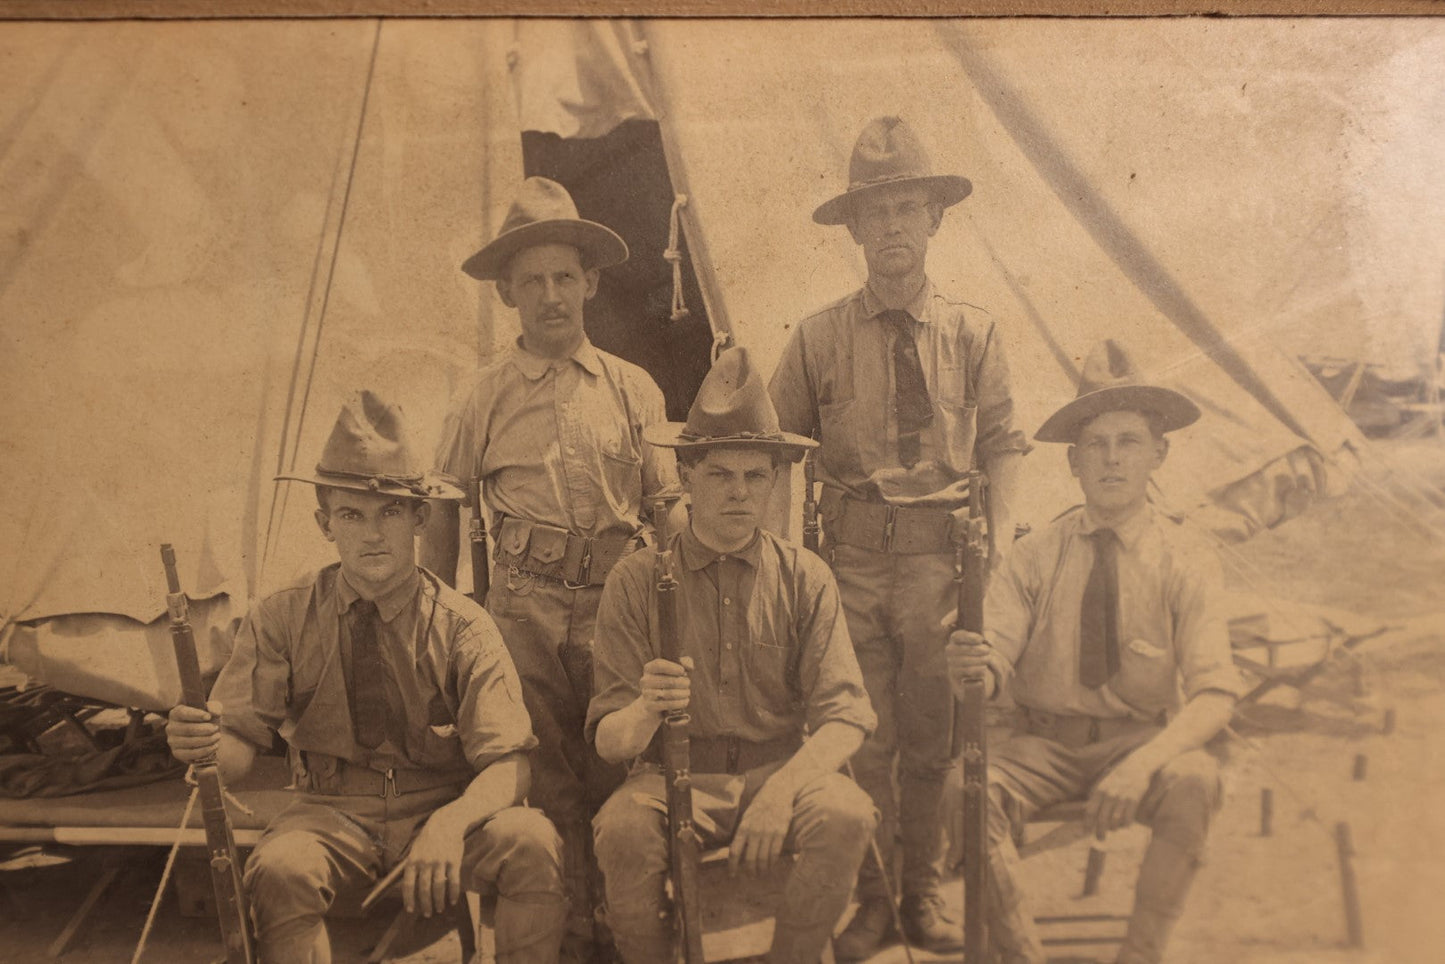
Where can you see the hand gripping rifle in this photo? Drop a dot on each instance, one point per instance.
(684, 846)
(481, 564)
(970, 572)
(225, 864)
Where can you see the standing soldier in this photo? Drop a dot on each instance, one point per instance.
(907, 389)
(553, 429)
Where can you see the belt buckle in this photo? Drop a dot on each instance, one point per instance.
(584, 568)
(890, 524)
(388, 784)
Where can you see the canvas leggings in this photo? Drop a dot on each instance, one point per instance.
(1029, 772)
(548, 629)
(832, 819)
(894, 605)
(324, 845)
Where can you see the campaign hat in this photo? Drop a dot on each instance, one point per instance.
(889, 153)
(1111, 382)
(544, 213)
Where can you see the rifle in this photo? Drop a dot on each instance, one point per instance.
(810, 502)
(684, 846)
(225, 864)
(970, 571)
(481, 564)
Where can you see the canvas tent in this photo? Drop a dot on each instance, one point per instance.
(213, 231)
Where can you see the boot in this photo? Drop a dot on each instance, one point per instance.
(1164, 879)
(529, 930)
(871, 928)
(926, 924)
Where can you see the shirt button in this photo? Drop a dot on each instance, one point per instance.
(727, 645)
(727, 601)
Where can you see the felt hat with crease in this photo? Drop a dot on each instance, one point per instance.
(732, 408)
(1110, 382)
(543, 213)
(887, 153)
(370, 450)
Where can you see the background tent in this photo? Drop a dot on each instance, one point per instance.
(213, 231)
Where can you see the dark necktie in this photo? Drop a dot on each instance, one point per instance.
(911, 404)
(368, 677)
(1099, 614)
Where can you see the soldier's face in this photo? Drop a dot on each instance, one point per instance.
(374, 536)
(729, 490)
(548, 287)
(1114, 457)
(893, 225)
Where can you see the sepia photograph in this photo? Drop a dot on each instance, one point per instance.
(650, 489)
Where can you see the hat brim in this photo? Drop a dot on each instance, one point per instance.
(436, 486)
(947, 189)
(673, 435)
(601, 247)
(1174, 410)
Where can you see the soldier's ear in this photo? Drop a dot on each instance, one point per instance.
(504, 291)
(591, 276)
(423, 513)
(1161, 449)
(323, 522)
(935, 215)
(1073, 454)
(853, 229)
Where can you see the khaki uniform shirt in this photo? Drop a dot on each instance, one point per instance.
(453, 695)
(1173, 633)
(835, 382)
(764, 627)
(560, 441)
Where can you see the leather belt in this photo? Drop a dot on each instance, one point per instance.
(324, 774)
(1074, 731)
(555, 553)
(729, 754)
(905, 530)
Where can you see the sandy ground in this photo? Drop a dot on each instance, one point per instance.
(1273, 898)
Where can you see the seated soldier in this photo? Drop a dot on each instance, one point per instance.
(1096, 623)
(401, 713)
(768, 676)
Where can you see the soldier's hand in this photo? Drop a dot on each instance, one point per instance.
(968, 660)
(665, 686)
(193, 735)
(431, 880)
(1114, 802)
(758, 842)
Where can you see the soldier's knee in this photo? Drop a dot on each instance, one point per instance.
(290, 870)
(1189, 793)
(846, 815)
(627, 830)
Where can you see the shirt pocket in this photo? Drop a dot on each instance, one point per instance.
(622, 472)
(958, 424)
(1147, 674)
(839, 428)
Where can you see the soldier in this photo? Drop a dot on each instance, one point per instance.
(553, 428)
(907, 389)
(402, 717)
(769, 678)
(1096, 625)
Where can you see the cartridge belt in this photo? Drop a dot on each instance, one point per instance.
(555, 553)
(1075, 730)
(881, 527)
(325, 774)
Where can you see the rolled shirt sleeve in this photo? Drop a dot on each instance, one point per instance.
(492, 719)
(828, 667)
(254, 687)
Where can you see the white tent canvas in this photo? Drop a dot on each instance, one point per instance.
(213, 231)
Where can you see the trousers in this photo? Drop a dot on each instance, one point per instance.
(322, 845)
(1029, 772)
(894, 605)
(832, 819)
(547, 629)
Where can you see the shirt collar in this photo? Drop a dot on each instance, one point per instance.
(390, 604)
(535, 366)
(697, 556)
(1128, 531)
(917, 308)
